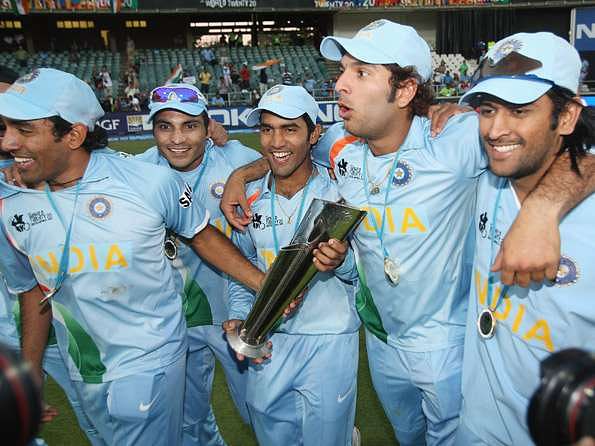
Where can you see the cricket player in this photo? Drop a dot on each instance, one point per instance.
(53, 364)
(415, 249)
(306, 393)
(99, 259)
(529, 115)
(180, 127)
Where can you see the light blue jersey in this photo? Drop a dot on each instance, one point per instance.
(118, 311)
(500, 374)
(428, 221)
(205, 294)
(308, 403)
(328, 307)
(204, 287)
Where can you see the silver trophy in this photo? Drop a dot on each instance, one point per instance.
(291, 272)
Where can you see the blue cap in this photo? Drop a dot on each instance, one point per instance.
(185, 98)
(383, 42)
(287, 101)
(46, 92)
(560, 65)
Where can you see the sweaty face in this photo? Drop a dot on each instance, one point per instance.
(180, 138)
(285, 143)
(519, 141)
(363, 91)
(37, 155)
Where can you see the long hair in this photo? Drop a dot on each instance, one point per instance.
(95, 139)
(423, 96)
(578, 143)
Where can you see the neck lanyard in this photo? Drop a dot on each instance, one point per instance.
(299, 215)
(379, 228)
(65, 258)
(486, 323)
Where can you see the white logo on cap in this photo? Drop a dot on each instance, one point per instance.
(172, 96)
(274, 90)
(505, 48)
(375, 24)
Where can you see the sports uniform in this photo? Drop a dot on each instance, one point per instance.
(414, 330)
(414, 249)
(500, 373)
(16, 274)
(205, 294)
(306, 393)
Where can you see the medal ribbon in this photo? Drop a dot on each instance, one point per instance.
(501, 185)
(300, 210)
(379, 230)
(65, 258)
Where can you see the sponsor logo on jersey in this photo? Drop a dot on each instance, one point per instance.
(185, 199)
(19, 223)
(217, 189)
(342, 165)
(348, 170)
(40, 216)
(262, 222)
(568, 272)
(403, 174)
(28, 77)
(100, 207)
(485, 229)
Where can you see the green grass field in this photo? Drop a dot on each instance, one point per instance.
(370, 418)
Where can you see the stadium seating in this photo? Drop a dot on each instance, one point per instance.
(87, 61)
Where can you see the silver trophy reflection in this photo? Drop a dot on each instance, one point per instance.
(291, 272)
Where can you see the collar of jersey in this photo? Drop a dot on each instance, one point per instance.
(263, 184)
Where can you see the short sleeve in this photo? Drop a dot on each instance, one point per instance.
(173, 197)
(15, 267)
(330, 144)
(238, 154)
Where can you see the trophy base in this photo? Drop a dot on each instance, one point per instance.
(243, 348)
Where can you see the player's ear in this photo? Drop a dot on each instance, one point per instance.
(76, 136)
(569, 116)
(315, 135)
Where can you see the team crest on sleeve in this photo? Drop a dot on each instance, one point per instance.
(185, 199)
(403, 174)
(100, 207)
(217, 189)
(568, 272)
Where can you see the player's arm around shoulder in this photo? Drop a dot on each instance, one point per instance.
(332, 140)
(458, 145)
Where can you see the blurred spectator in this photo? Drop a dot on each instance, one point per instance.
(134, 103)
(463, 69)
(447, 90)
(286, 77)
(447, 79)
(441, 68)
(223, 89)
(309, 84)
(245, 77)
(205, 80)
(235, 76)
(217, 100)
(21, 56)
(130, 49)
(263, 81)
(255, 98)
(208, 56)
(107, 81)
(227, 75)
(222, 40)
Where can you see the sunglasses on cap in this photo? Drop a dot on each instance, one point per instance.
(513, 66)
(176, 94)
